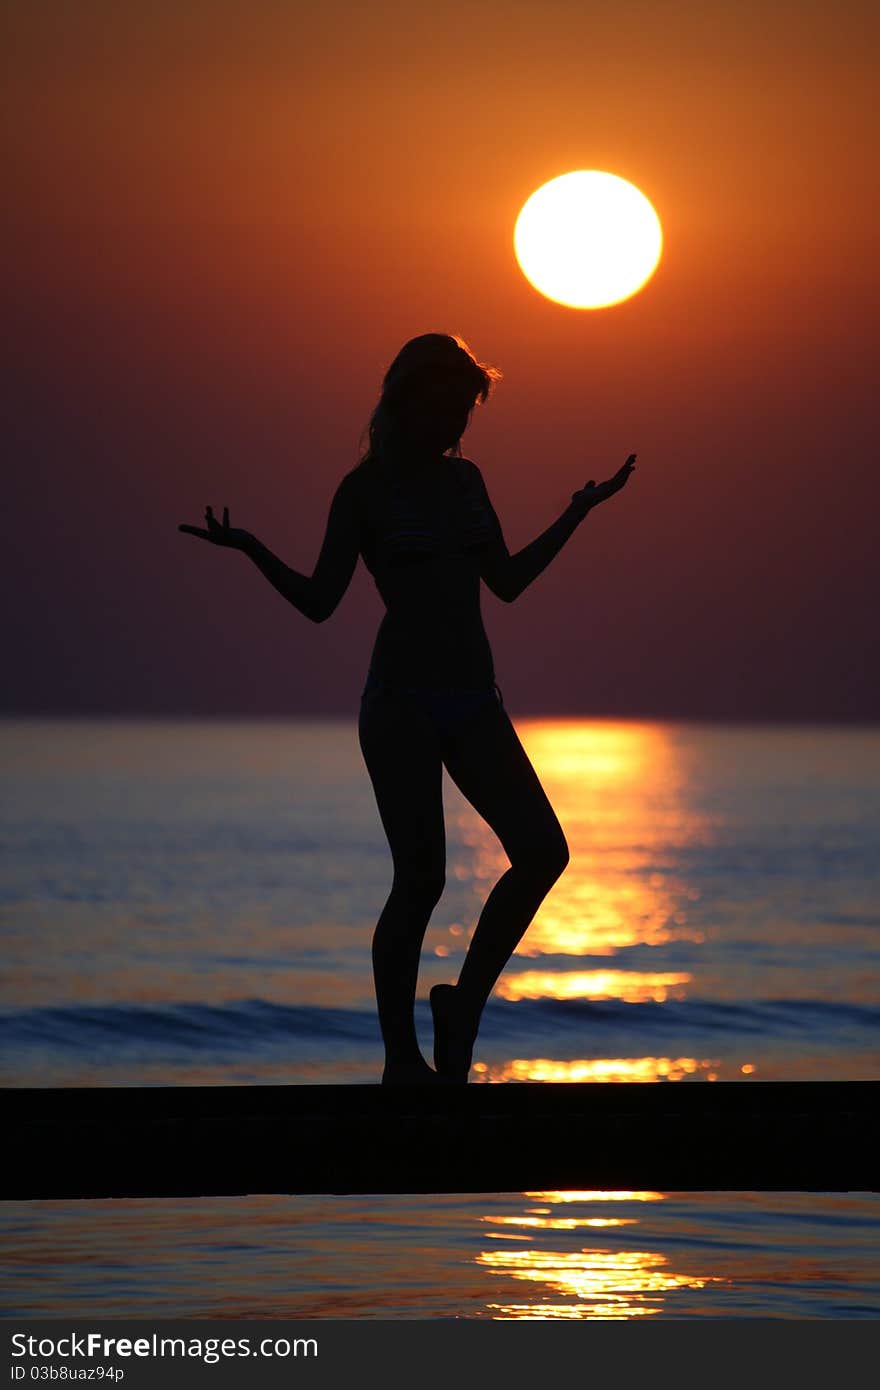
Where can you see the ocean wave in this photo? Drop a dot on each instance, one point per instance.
(193, 1028)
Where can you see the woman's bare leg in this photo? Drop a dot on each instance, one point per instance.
(402, 757)
(492, 769)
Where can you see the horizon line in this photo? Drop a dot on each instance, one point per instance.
(326, 716)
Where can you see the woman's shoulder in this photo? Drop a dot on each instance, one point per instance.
(473, 478)
(366, 474)
(466, 469)
(356, 485)
(471, 470)
(362, 490)
(480, 524)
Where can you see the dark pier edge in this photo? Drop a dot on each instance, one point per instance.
(86, 1142)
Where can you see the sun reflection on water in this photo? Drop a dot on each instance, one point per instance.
(632, 986)
(598, 1069)
(559, 1223)
(623, 795)
(585, 1282)
(618, 1284)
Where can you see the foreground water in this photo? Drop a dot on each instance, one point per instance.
(192, 903)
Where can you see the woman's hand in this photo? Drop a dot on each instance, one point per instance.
(228, 535)
(594, 493)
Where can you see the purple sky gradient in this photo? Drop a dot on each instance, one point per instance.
(219, 238)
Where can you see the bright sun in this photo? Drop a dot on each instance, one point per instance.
(587, 239)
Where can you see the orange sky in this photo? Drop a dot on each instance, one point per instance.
(225, 220)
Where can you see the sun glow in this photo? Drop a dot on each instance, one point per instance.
(588, 239)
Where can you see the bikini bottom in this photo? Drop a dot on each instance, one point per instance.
(449, 710)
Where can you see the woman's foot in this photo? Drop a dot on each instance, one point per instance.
(454, 1035)
(409, 1074)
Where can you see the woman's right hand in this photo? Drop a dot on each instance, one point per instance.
(218, 534)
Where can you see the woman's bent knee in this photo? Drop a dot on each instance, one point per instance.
(544, 860)
(558, 858)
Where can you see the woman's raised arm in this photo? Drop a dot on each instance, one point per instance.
(508, 575)
(317, 595)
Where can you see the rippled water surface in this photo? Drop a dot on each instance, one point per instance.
(192, 903)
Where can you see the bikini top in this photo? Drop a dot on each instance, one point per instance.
(403, 526)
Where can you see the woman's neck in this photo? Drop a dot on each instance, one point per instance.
(419, 460)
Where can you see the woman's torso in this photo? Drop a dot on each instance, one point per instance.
(422, 530)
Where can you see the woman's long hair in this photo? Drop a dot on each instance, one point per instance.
(425, 362)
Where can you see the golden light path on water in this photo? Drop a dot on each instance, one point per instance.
(599, 1069)
(608, 1284)
(632, 986)
(621, 793)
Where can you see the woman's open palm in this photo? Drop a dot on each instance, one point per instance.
(594, 493)
(217, 533)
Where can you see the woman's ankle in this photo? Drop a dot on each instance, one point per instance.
(400, 1059)
(468, 1008)
(404, 1072)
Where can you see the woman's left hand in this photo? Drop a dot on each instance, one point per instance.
(594, 493)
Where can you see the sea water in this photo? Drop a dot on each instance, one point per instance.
(192, 903)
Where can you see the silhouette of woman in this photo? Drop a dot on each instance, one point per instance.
(420, 515)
